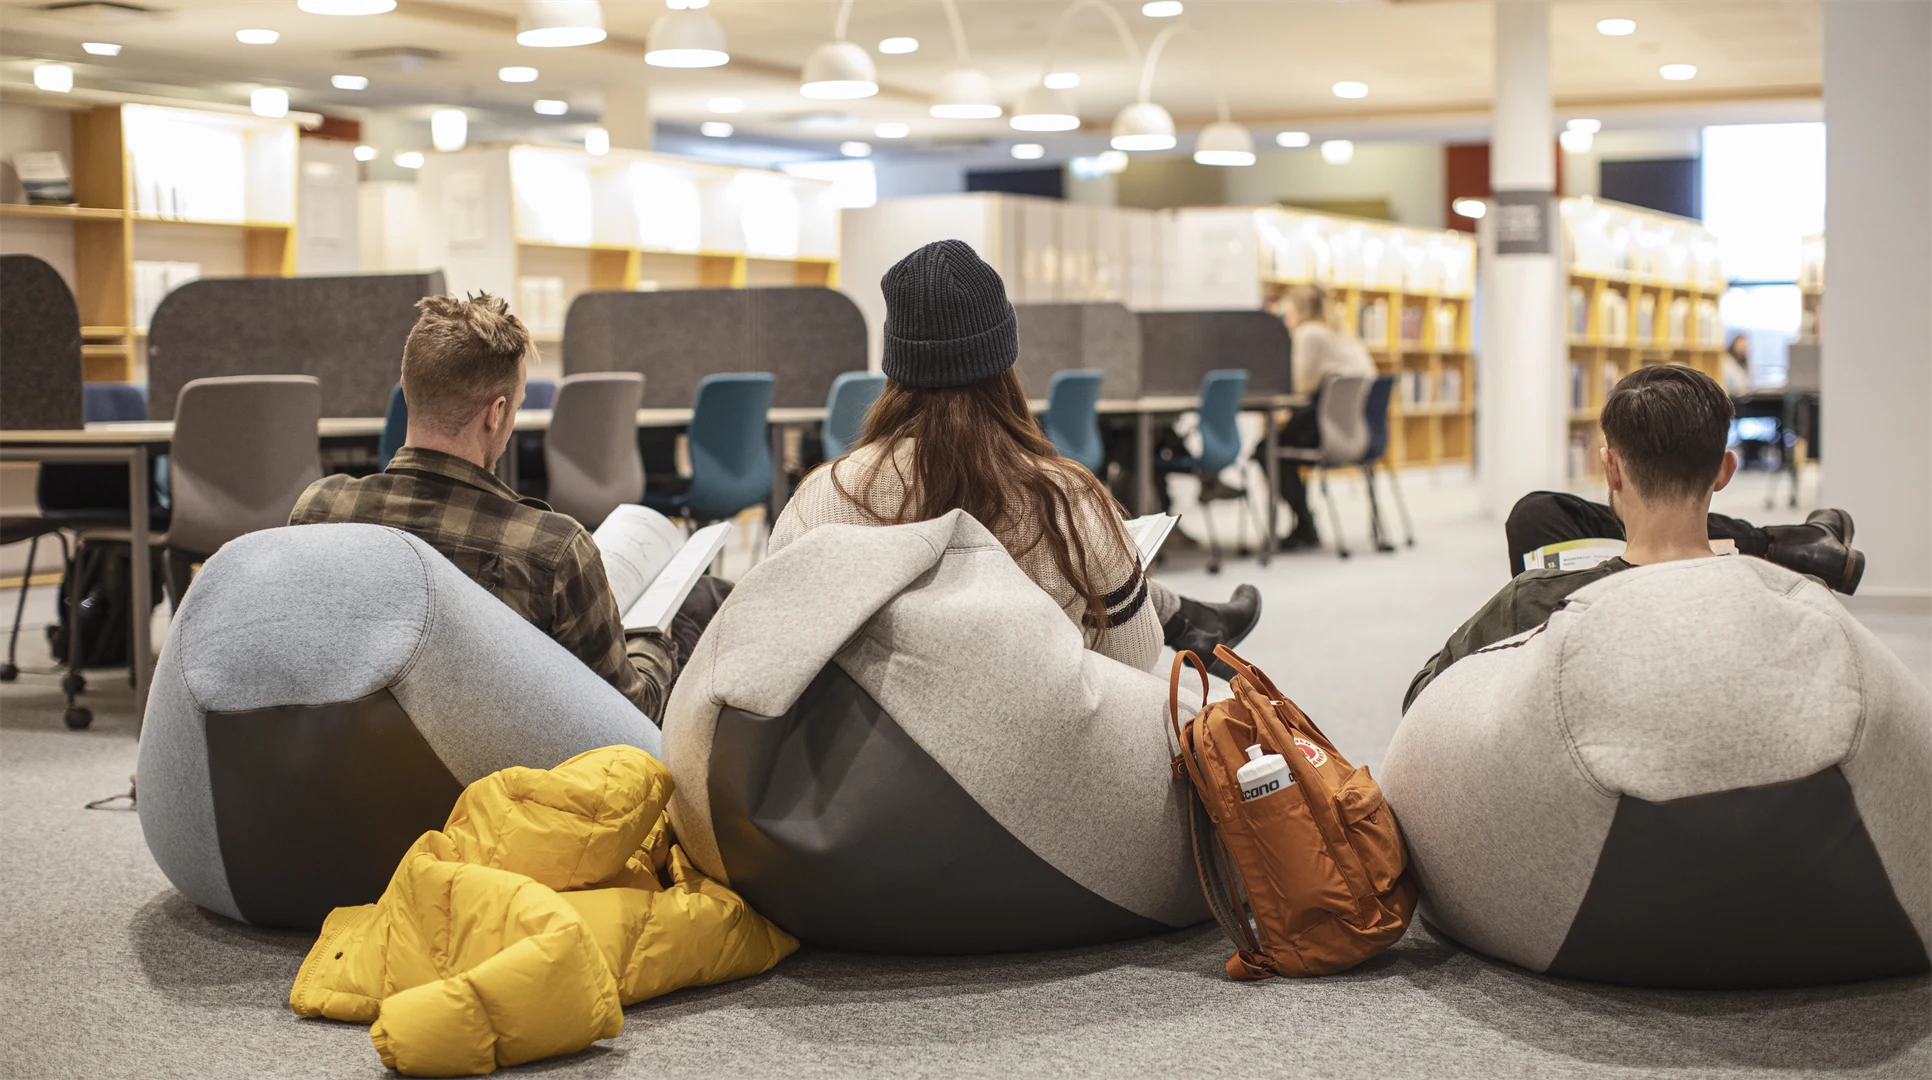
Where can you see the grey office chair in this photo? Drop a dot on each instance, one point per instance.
(244, 451)
(1342, 415)
(1802, 377)
(591, 454)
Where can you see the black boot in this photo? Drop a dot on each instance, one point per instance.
(1200, 627)
(1821, 548)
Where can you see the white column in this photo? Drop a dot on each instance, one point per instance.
(1520, 408)
(1876, 358)
(627, 115)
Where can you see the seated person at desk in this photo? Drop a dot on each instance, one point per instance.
(1318, 351)
(953, 431)
(463, 369)
(1664, 429)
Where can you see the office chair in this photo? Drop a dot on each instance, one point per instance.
(730, 449)
(1072, 418)
(1220, 428)
(1342, 416)
(395, 426)
(852, 395)
(1377, 412)
(591, 455)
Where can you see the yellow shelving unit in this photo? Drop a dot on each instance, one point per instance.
(1641, 288)
(131, 164)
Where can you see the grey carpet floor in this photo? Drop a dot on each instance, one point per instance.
(106, 972)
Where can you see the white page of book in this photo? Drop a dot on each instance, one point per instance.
(1149, 533)
(663, 597)
(637, 543)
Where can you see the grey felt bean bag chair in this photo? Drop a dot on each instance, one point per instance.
(325, 693)
(891, 739)
(1696, 774)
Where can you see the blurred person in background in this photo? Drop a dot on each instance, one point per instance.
(1319, 350)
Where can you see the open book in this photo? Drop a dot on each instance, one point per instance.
(651, 565)
(1583, 554)
(1149, 533)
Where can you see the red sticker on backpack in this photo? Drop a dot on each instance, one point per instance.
(1315, 754)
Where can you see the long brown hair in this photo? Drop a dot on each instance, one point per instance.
(979, 449)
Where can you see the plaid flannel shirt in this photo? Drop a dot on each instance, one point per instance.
(543, 564)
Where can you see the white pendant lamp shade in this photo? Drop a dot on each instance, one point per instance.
(966, 94)
(1045, 109)
(449, 129)
(686, 38)
(1224, 143)
(839, 70)
(555, 24)
(1143, 126)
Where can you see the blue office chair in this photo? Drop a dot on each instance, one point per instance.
(1376, 411)
(539, 394)
(395, 425)
(1072, 417)
(107, 401)
(853, 393)
(730, 451)
(1220, 428)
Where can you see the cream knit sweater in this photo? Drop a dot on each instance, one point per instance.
(1134, 636)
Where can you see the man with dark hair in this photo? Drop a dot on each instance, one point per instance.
(1665, 431)
(463, 369)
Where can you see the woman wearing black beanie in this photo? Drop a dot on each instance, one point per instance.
(953, 431)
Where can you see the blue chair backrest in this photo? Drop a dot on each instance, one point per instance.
(101, 401)
(853, 393)
(395, 424)
(539, 394)
(1377, 411)
(1221, 394)
(1073, 417)
(730, 455)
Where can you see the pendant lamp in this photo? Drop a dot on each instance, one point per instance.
(686, 38)
(1224, 143)
(1143, 126)
(1049, 105)
(965, 93)
(839, 70)
(556, 24)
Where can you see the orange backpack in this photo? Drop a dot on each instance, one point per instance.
(1307, 878)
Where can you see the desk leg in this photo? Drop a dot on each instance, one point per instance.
(1271, 463)
(1143, 464)
(137, 516)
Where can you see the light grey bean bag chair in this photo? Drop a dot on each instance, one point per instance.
(891, 739)
(1697, 774)
(325, 693)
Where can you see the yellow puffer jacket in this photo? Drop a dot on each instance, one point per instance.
(551, 899)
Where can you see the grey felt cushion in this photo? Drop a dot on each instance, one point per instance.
(1664, 685)
(320, 615)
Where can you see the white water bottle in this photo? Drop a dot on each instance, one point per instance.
(1263, 775)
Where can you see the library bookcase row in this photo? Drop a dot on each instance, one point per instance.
(1811, 289)
(1641, 288)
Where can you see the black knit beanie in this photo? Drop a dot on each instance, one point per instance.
(948, 322)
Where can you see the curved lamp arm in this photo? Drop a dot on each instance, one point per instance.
(1154, 58)
(844, 17)
(1066, 19)
(959, 33)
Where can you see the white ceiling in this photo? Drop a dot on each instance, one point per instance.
(1275, 59)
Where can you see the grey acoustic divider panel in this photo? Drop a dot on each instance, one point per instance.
(346, 331)
(1055, 337)
(805, 336)
(1178, 347)
(40, 347)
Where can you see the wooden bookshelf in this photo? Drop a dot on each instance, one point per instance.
(1641, 288)
(121, 169)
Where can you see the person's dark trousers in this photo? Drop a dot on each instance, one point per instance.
(1553, 517)
(1302, 431)
(687, 626)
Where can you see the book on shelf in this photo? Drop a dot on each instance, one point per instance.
(1610, 375)
(1647, 317)
(652, 565)
(1445, 328)
(540, 303)
(154, 280)
(44, 176)
(1577, 403)
(1373, 322)
(1449, 385)
(1411, 323)
(1579, 312)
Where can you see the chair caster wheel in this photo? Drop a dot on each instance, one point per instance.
(78, 717)
(1242, 553)
(1214, 568)
(1345, 554)
(8, 673)
(1386, 549)
(73, 682)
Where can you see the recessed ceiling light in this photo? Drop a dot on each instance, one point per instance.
(1582, 123)
(892, 129)
(1028, 151)
(349, 82)
(1470, 208)
(716, 129)
(597, 141)
(1576, 140)
(1616, 27)
(1338, 151)
(551, 107)
(257, 37)
(409, 159)
(1162, 9)
(269, 101)
(725, 105)
(1291, 139)
(449, 129)
(57, 78)
(855, 148)
(346, 7)
(895, 46)
(365, 153)
(516, 74)
(1063, 80)
(101, 48)
(1350, 89)
(1678, 72)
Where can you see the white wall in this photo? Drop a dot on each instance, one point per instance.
(388, 220)
(1408, 175)
(327, 240)
(1877, 339)
(904, 179)
(1582, 173)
